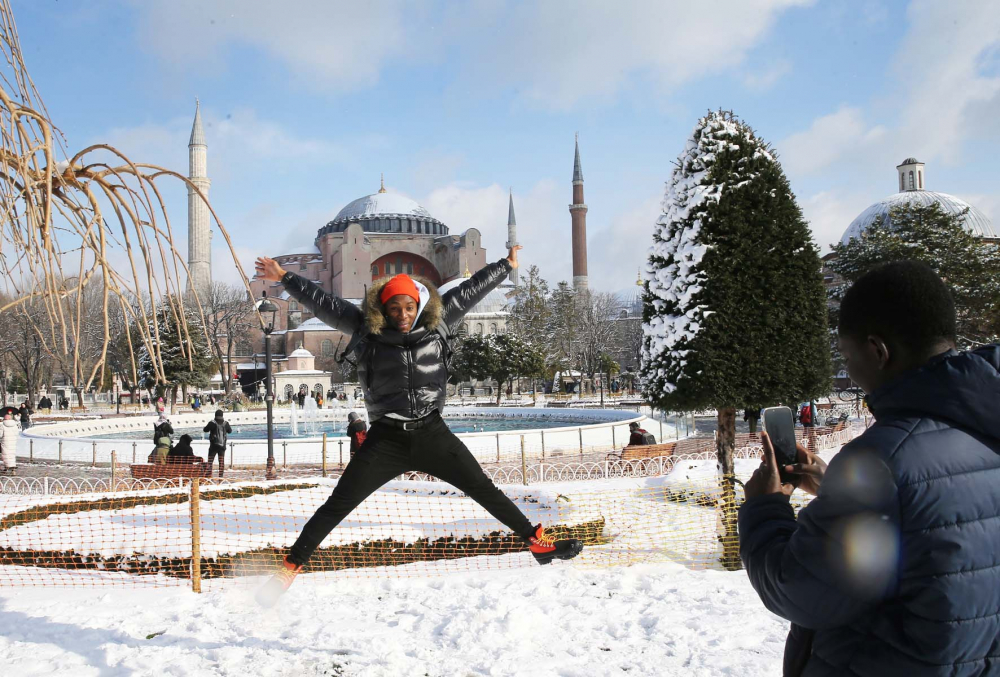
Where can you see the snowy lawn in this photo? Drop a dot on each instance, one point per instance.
(650, 619)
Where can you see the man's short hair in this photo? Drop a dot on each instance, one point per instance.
(904, 302)
(633, 425)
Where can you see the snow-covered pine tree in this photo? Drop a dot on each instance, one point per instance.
(734, 307)
(183, 351)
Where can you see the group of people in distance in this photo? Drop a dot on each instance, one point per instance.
(218, 430)
(892, 569)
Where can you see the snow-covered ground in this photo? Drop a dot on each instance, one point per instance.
(564, 619)
(499, 615)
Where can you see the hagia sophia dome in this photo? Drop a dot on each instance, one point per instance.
(385, 212)
(910, 175)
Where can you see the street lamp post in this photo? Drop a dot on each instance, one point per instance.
(270, 308)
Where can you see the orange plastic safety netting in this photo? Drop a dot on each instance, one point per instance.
(128, 532)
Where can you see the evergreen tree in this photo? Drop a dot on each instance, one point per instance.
(500, 357)
(184, 353)
(734, 307)
(969, 265)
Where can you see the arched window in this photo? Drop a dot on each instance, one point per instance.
(464, 329)
(902, 182)
(327, 348)
(493, 327)
(293, 306)
(288, 391)
(911, 179)
(479, 328)
(374, 271)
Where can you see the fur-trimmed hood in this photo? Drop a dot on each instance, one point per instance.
(429, 315)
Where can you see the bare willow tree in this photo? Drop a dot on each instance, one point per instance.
(69, 220)
(229, 313)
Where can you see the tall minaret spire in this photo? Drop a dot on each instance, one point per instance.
(578, 214)
(199, 231)
(512, 235)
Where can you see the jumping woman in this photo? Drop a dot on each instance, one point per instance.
(399, 342)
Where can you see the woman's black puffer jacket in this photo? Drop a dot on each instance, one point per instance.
(404, 374)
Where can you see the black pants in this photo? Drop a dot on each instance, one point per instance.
(389, 452)
(214, 451)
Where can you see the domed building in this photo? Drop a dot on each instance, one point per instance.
(372, 237)
(911, 181)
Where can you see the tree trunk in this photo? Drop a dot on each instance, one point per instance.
(173, 400)
(725, 443)
(79, 397)
(499, 390)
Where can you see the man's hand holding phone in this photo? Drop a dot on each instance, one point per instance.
(806, 474)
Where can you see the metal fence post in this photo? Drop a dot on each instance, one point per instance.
(324, 454)
(340, 443)
(543, 446)
(133, 453)
(45, 486)
(498, 447)
(114, 466)
(613, 445)
(93, 446)
(580, 430)
(60, 452)
(195, 535)
(524, 463)
(284, 454)
(232, 454)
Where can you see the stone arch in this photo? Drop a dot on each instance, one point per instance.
(394, 263)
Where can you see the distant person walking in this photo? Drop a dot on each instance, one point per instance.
(751, 416)
(218, 430)
(9, 431)
(25, 412)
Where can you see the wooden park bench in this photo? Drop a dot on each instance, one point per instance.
(176, 466)
(634, 452)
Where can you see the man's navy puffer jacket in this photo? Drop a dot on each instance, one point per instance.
(896, 564)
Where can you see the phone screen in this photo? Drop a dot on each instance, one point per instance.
(780, 427)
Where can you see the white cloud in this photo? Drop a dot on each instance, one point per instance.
(763, 80)
(947, 64)
(614, 252)
(556, 55)
(542, 221)
(829, 213)
(553, 54)
(325, 44)
(829, 139)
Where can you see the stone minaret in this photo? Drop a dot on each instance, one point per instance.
(578, 213)
(512, 235)
(199, 230)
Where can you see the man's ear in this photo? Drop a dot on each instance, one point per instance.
(879, 351)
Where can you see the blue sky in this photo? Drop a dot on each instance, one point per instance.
(306, 102)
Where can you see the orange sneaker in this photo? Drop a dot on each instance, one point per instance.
(268, 595)
(545, 549)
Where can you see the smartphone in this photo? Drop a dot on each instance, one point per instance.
(780, 427)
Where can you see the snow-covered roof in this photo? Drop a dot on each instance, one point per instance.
(301, 372)
(976, 222)
(300, 352)
(378, 204)
(313, 324)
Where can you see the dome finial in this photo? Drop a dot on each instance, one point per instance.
(638, 277)
(467, 273)
(382, 188)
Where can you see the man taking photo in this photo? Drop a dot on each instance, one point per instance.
(894, 567)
